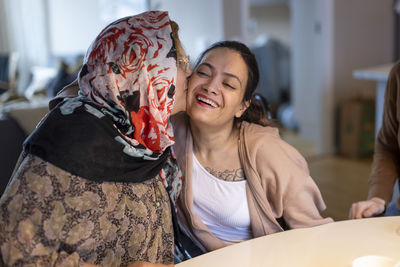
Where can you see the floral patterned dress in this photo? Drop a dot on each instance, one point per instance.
(92, 185)
(49, 217)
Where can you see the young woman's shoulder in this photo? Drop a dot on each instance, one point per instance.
(258, 131)
(266, 142)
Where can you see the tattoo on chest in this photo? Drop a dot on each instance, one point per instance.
(228, 175)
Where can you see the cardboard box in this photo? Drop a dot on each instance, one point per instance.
(357, 128)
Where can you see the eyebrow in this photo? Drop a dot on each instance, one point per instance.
(225, 73)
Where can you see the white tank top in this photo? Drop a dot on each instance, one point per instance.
(221, 205)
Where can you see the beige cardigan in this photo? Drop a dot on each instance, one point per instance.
(278, 183)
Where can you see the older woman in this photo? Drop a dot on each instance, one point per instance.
(240, 179)
(97, 179)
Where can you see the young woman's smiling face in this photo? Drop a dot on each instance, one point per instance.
(216, 88)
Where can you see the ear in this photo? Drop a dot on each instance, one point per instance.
(242, 109)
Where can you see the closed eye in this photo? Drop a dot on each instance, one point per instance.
(201, 73)
(228, 85)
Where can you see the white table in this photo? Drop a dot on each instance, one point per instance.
(331, 245)
(379, 74)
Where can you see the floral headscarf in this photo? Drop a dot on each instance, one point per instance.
(117, 129)
(131, 67)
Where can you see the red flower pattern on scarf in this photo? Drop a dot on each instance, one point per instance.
(128, 67)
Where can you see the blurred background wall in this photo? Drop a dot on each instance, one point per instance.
(323, 64)
(307, 49)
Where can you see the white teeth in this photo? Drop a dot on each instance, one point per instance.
(208, 101)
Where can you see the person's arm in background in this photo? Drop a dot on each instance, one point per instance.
(386, 155)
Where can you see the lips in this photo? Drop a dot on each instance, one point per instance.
(205, 101)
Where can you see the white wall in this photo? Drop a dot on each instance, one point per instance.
(25, 32)
(200, 22)
(42, 28)
(272, 20)
(363, 37)
(324, 80)
(72, 27)
(205, 22)
(4, 41)
(306, 94)
(235, 15)
(330, 39)
(74, 24)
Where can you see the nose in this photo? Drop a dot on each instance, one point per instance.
(211, 86)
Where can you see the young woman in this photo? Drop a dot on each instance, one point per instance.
(97, 177)
(240, 179)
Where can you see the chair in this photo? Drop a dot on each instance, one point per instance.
(264, 103)
(274, 64)
(8, 71)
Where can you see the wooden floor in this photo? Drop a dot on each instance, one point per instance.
(341, 180)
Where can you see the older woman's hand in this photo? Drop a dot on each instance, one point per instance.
(368, 208)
